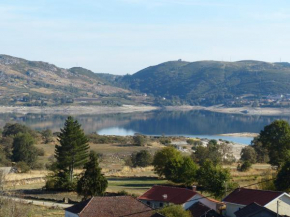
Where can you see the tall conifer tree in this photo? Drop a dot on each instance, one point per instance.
(92, 182)
(73, 149)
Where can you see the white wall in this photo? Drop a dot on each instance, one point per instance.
(231, 209)
(69, 214)
(199, 198)
(154, 204)
(284, 205)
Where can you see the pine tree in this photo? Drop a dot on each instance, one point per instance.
(73, 149)
(92, 181)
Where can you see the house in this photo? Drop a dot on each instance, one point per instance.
(159, 196)
(242, 197)
(255, 210)
(200, 210)
(111, 207)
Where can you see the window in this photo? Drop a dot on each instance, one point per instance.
(160, 204)
(148, 203)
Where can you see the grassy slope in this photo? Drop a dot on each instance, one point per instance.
(44, 81)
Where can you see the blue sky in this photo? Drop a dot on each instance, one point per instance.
(124, 36)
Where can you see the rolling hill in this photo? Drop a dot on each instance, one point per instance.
(210, 82)
(24, 82)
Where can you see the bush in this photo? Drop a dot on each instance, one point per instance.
(40, 151)
(165, 141)
(249, 154)
(50, 184)
(175, 211)
(245, 166)
(190, 141)
(38, 166)
(22, 167)
(139, 140)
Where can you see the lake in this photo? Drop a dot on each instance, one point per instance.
(202, 124)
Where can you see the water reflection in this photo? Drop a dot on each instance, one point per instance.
(151, 123)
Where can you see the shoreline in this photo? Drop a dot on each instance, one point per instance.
(233, 110)
(243, 134)
(81, 110)
(76, 110)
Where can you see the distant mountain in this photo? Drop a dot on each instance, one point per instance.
(24, 82)
(210, 82)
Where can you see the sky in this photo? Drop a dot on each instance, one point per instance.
(125, 36)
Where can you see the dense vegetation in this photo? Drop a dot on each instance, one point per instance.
(210, 82)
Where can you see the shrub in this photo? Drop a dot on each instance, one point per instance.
(22, 167)
(40, 151)
(245, 166)
(38, 166)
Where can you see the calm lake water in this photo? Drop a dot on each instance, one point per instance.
(202, 124)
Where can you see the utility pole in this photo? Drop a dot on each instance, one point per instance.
(278, 208)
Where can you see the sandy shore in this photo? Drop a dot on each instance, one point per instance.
(76, 110)
(237, 110)
(240, 134)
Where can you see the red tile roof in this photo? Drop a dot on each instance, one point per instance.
(111, 207)
(200, 210)
(245, 196)
(168, 194)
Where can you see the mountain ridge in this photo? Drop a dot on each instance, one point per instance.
(178, 82)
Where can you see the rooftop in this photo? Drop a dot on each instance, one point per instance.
(111, 207)
(255, 208)
(200, 210)
(168, 194)
(245, 196)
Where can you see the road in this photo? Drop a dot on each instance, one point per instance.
(37, 202)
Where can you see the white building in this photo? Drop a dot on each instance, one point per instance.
(272, 200)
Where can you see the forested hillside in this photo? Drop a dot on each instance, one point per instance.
(211, 82)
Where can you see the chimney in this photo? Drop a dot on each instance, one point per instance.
(193, 188)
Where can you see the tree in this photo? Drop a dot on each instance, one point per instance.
(248, 153)
(200, 154)
(211, 152)
(262, 153)
(282, 181)
(92, 181)
(227, 154)
(169, 163)
(175, 211)
(187, 171)
(213, 178)
(23, 149)
(13, 129)
(165, 162)
(142, 158)
(73, 149)
(47, 135)
(139, 140)
(276, 139)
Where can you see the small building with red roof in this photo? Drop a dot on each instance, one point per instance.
(159, 196)
(241, 197)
